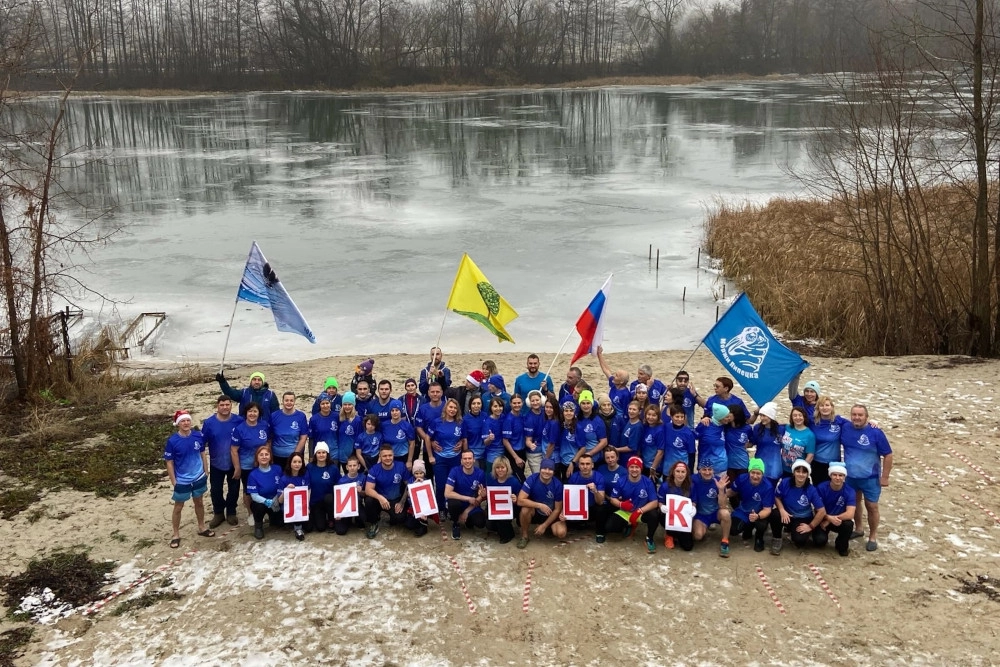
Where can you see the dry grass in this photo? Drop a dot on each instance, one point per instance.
(800, 262)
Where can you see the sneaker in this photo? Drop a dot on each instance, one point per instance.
(600, 539)
(650, 545)
(232, 520)
(505, 540)
(758, 544)
(668, 542)
(258, 532)
(845, 552)
(372, 531)
(724, 549)
(776, 545)
(522, 543)
(456, 531)
(627, 531)
(299, 534)
(217, 520)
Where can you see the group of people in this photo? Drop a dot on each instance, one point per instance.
(632, 446)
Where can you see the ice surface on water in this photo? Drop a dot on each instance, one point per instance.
(364, 204)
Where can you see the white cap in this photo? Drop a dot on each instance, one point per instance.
(321, 447)
(769, 410)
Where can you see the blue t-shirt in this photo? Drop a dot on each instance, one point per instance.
(612, 478)
(247, 439)
(620, 398)
(737, 441)
(836, 502)
(593, 431)
(733, 400)
(534, 423)
(388, 483)
(523, 383)
(640, 493)
(363, 407)
(399, 436)
(427, 414)
(712, 445)
(381, 410)
(321, 480)
(570, 442)
(752, 498)
(629, 435)
(294, 480)
(185, 452)
(678, 445)
(689, 403)
(863, 451)
(668, 489)
(827, 432)
(551, 433)
(347, 435)
(368, 443)
(335, 402)
(447, 434)
(466, 484)
(653, 440)
(800, 402)
(513, 482)
(705, 495)
(494, 449)
(540, 492)
(264, 484)
(286, 431)
(513, 431)
(656, 391)
(219, 438)
(472, 431)
(324, 429)
(799, 501)
(796, 444)
(769, 448)
(595, 477)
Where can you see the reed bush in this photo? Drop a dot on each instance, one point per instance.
(881, 273)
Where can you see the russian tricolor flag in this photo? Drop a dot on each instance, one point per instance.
(590, 326)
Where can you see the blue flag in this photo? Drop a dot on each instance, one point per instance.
(260, 285)
(744, 345)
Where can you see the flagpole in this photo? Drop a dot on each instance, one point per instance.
(232, 318)
(549, 374)
(222, 364)
(441, 330)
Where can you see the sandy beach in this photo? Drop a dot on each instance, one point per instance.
(400, 600)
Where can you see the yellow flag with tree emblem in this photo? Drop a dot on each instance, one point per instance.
(472, 295)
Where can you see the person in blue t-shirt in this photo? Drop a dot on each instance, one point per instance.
(678, 442)
(798, 441)
(323, 424)
(808, 399)
(289, 430)
(571, 444)
(654, 388)
(352, 475)
(632, 501)
(248, 437)
(348, 428)
(627, 432)
(619, 390)
(513, 435)
(218, 432)
(712, 438)
(766, 436)
(321, 476)
(491, 434)
(473, 423)
(385, 487)
(428, 412)
(264, 489)
(447, 445)
(676, 482)
(709, 495)
(368, 441)
(682, 381)
(464, 491)
(723, 394)
(330, 389)
(799, 508)
(381, 405)
(612, 472)
(532, 380)
(756, 500)
(653, 442)
(599, 509)
(839, 503)
(540, 500)
(826, 425)
(187, 465)
(363, 398)
(868, 458)
(534, 425)
(399, 433)
(500, 476)
(294, 475)
(738, 435)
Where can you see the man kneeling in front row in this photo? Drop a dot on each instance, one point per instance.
(540, 500)
(384, 489)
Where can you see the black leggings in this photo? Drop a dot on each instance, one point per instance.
(798, 539)
(616, 523)
(748, 528)
(684, 540)
(822, 535)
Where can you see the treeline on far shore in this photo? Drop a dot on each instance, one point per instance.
(871, 274)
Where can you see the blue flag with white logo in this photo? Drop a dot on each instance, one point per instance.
(260, 285)
(744, 345)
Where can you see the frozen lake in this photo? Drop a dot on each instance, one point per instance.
(365, 203)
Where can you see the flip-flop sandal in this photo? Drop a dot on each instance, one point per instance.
(871, 546)
(208, 532)
(175, 543)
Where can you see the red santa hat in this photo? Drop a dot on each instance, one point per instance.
(476, 377)
(180, 416)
